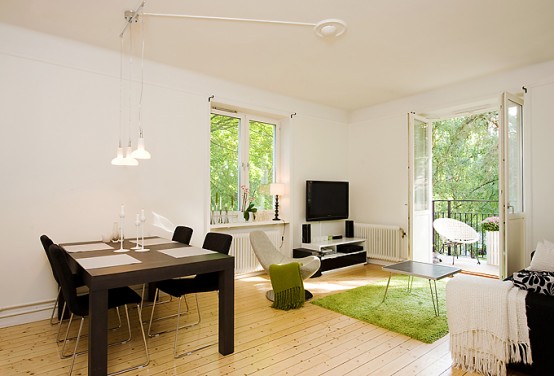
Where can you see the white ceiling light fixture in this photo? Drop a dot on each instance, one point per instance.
(121, 159)
(331, 28)
(140, 152)
(125, 155)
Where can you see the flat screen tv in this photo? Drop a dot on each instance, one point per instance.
(326, 200)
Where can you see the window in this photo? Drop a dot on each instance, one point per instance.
(242, 159)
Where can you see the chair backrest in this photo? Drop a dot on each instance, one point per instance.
(62, 272)
(455, 231)
(182, 234)
(46, 243)
(265, 251)
(217, 241)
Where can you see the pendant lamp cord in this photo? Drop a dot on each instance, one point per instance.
(141, 76)
(130, 76)
(121, 53)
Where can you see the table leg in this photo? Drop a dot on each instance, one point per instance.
(227, 311)
(434, 297)
(98, 333)
(410, 282)
(387, 288)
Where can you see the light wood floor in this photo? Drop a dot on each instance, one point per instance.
(308, 341)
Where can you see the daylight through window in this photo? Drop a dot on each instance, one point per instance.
(242, 161)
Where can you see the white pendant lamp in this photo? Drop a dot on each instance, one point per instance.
(140, 152)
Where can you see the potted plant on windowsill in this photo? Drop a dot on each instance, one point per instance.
(491, 225)
(247, 204)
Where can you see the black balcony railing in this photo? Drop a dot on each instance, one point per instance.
(471, 212)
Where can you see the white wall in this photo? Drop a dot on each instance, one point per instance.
(59, 122)
(319, 152)
(541, 139)
(378, 147)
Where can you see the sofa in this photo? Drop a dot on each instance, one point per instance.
(538, 280)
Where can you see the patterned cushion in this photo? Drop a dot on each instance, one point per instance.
(539, 282)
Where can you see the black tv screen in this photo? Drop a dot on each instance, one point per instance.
(326, 200)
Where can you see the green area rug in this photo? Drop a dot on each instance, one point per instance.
(409, 313)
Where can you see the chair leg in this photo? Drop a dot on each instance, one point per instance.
(150, 334)
(175, 355)
(76, 344)
(152, 313)
(143, 340)
(62, 354)
(58, 339)
(56, 306)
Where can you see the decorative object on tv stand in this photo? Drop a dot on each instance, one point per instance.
(247, 203)
(306, 233)
(349, 229)
(121, 232)
(277, 190)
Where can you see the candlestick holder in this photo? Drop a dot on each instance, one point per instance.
(121, 236)
(137, 224)
(142, 221)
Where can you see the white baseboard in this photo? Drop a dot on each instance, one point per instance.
(24, 314)
(379, 262)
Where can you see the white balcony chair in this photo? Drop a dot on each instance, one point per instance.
(455, 233)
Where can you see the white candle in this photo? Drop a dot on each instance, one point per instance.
(122, 211)
(142, 216)
(137, 220)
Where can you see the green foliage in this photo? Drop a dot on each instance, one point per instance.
(262, 140)
(225, 179)
(224, 163)
(465, 161)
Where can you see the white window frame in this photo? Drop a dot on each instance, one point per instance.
(244, 143)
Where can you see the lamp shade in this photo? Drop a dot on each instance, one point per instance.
(277, 189)
(140, 152)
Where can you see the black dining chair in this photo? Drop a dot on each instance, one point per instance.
(78, 304)
(182, 234)
(77, 281)
(180, 287)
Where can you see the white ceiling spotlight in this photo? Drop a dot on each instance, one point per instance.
(330, 28)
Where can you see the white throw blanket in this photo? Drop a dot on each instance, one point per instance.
(487, 324)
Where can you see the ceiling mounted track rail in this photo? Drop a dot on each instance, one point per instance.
(324, 29)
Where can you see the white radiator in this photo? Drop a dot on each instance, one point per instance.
(245, 259)
(382, 242)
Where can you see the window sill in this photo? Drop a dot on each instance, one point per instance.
(248, 224)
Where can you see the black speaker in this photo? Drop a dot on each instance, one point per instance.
(349, 229)
(306, 233)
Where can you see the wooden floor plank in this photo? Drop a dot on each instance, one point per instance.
(307, 341)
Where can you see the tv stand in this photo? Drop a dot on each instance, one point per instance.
(336, 253)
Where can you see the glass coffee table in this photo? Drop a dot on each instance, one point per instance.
(433, 272)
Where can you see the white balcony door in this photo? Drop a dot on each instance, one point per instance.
(512, 211)
(420, 234)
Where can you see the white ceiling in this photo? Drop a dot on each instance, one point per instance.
(392, 48)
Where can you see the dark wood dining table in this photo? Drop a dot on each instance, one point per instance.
(153, 266)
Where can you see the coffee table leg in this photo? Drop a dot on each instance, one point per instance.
(434, 297)
(387, 289)
(410, 282)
